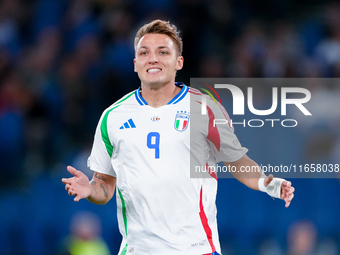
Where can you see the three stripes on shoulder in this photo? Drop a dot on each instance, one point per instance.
(128, 124)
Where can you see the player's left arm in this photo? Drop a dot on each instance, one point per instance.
(253, 179)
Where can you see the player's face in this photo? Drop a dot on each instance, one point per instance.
(157, 60)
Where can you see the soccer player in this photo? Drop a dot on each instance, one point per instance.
(142, 149)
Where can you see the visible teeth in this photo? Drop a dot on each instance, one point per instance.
(153, 70)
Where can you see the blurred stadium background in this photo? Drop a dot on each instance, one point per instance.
(62, 62)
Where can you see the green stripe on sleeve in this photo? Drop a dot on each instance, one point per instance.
(104, 132)
(123, 99)
(103, 126)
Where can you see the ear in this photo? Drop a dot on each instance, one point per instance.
(134, 65)
(180, 62)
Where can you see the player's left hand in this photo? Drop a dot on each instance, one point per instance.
(287, 192)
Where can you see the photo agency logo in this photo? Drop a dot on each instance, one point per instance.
(289, 95)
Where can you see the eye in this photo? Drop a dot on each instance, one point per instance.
(163, 52)
(143, 53)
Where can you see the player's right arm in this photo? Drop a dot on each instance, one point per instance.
(99, 190)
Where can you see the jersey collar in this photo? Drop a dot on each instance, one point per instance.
(175, 100)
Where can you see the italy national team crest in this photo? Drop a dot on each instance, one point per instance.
(182, 120)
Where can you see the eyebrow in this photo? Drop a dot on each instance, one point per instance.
(159, 47)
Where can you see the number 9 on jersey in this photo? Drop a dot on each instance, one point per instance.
(152, 142)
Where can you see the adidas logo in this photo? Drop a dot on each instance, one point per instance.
(128, 124)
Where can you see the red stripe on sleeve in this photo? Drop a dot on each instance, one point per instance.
(213, 135)
(212, 174)
(192, 92)
(205, 224)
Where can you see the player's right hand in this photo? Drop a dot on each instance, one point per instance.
(78, 185)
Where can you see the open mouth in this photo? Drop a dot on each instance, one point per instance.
(154, 70)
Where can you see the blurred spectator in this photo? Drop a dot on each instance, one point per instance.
(284, 50)
(270, 247)
(85, 236)
(302, 239)
(328, 247)
(249, 50)
(15, 100)
(328, 50)
(10, 17)
(212, 66)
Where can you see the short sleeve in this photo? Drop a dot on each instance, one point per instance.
(100, 158)
(224, 144)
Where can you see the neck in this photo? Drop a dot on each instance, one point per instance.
(160, 95)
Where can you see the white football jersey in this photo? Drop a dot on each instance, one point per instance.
(161, 208)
